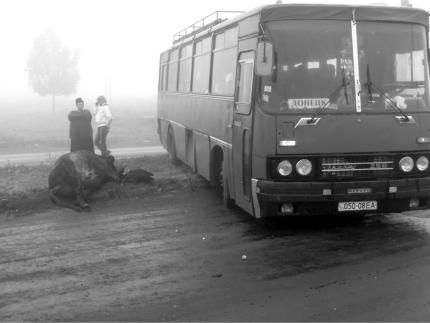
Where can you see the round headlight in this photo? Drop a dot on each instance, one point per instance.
(285, 168)
(422, 163)
(304, 167)
(406, 164)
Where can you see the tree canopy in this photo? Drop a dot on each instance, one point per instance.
(52, 67)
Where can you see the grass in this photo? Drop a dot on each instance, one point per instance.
(31, 126)
(24, 189)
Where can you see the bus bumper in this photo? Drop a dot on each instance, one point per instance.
(391, 195)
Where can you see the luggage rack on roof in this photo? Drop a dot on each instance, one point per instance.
(204, 23)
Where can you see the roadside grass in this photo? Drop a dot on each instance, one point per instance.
(24, 189)
(31, 126)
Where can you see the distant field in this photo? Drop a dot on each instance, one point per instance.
(28, 127)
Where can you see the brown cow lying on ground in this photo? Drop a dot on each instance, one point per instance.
(77, 174)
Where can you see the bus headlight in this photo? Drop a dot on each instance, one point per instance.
(284, 168)
(422, 163)
(406, 164)
(304, 167)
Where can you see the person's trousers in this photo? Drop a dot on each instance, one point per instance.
(100, 140)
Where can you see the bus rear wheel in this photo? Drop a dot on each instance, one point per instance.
(171, 147)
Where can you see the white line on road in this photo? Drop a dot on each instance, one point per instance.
(47, 157)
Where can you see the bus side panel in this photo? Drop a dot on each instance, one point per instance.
(228, 156)
(190, 149)
(207, 114)
(202, 154)
(164, 125)
(179, 134)
(194, 118)
(162, 122)
(190, 153)
(264, 142)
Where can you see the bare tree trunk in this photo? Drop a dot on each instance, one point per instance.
(53, 103)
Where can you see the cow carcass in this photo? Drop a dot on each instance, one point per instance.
(77, 174)
(137, 176)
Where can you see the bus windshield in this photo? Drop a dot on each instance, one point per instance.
(393, 65)
(313, 58)
(314, 67)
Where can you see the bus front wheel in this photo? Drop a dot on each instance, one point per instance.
(221, 183)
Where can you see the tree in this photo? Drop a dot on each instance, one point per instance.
(52, 67)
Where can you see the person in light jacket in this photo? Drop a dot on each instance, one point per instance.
(103, 118)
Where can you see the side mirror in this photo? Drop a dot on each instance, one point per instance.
(264, 61)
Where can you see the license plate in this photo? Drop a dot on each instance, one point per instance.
(357, 206)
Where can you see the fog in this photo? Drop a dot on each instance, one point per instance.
(119, 40)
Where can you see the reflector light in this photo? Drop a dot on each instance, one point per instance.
(287, 208)
(392, 189)
(326, 191)
(423, 140)
(287, 143)
(414, 203)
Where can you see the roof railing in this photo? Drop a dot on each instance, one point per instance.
(204, 23)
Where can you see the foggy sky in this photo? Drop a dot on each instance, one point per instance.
(119, 40)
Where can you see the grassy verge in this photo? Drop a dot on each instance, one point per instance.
(32, 127)
(24, 189)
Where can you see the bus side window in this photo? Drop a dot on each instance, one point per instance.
(164, 78)
(202, 64)
(246, 77)
(224, 63)
(173, 71)
(185, 69)
(163, 72)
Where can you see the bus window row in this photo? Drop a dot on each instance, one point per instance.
(188, 69)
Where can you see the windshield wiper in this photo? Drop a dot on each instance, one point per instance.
(330, 98)
(387, 98)
(369, 86)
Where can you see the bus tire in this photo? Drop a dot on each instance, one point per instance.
(171, 147)
(226, 199)
(221, 182)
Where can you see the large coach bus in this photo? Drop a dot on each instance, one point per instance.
(303, 109)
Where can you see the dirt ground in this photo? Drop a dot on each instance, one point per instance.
(171, 252)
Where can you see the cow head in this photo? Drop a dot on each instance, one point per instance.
(112, 172)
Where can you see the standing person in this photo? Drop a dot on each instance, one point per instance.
(103, 118)
(81, 132)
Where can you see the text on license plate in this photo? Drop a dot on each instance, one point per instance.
(357, 206)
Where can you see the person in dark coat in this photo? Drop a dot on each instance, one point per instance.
(81, 132)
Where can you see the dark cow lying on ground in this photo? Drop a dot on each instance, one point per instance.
(77, 174)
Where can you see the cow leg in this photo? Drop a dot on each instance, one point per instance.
(57, 191)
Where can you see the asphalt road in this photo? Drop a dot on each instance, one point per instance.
(181, 256)
(37, 158)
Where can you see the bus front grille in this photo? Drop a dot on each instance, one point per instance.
(356, 166)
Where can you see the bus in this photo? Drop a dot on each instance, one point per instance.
(294, 109)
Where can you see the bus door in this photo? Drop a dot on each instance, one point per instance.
(242, 129)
